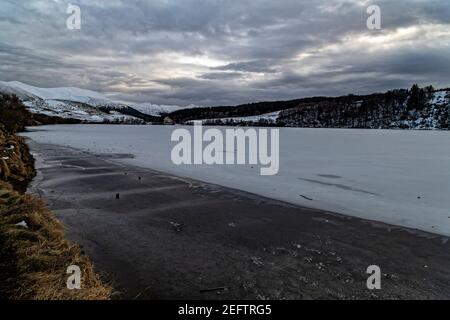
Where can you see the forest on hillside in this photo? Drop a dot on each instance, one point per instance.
(414, 108)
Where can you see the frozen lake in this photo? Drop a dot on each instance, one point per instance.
(397, 177)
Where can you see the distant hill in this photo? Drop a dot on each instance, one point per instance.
(415, 108)
(83, 105)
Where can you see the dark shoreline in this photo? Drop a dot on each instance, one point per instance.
(173, 238)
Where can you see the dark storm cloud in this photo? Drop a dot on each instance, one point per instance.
(213, 52)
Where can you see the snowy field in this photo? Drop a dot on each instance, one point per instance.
(397, 177)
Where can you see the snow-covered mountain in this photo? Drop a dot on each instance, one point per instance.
(157, 110)
(81, 104)
(67, 94)
(9, 88)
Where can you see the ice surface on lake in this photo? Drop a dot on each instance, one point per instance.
(397, 177)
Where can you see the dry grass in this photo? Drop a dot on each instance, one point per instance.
(34, 259)
(16, 163)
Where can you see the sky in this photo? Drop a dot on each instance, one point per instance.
(225, 52)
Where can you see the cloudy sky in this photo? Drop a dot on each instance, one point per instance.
(224, 52)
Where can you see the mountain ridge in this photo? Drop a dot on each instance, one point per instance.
(415, 108)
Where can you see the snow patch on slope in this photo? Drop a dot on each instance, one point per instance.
(441, 98)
